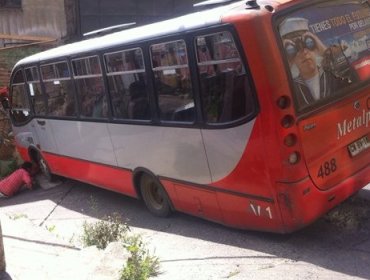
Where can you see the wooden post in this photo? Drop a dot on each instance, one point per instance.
(2, 255)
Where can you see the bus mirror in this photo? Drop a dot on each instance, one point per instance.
(5, 103)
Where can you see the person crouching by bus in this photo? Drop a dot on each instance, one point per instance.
(13, 183)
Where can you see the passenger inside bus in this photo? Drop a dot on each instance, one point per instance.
(172, 81)
(138, 106)
(313, 81)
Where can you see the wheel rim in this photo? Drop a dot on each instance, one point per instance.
(44, 168)
(155, 196)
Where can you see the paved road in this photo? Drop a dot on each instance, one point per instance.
(335, 247)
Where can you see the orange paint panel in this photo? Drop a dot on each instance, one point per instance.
(326, 137)
(104, 176)
(23, 152)
(302, 203)
(198, 202)
(247, 213)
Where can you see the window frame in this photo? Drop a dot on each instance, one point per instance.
(107, 75)
(80, 56)
(83, 57)
(69, 78)
(28, 66)
(105, 54)
(243, 59)
(189, 55)
(54, 68)
(30, 116)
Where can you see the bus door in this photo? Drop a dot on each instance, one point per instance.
(328, 53)
(45, 138)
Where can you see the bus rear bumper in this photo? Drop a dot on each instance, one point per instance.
(302, 203)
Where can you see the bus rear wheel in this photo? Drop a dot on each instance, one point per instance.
(154, 196)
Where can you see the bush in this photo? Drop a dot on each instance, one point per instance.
(7, 167)
(141, 265)
(103, 232)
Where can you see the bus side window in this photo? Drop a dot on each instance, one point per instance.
(58, 89)
(90, 87)
(172, 81)
(127, 84)
(34, 88)
(224, 83)
(20, 108)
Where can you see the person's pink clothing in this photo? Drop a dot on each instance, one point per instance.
(14, 182)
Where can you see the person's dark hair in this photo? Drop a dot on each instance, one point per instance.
(27, 166)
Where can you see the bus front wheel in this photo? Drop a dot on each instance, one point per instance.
(154, 196)
(45, 170)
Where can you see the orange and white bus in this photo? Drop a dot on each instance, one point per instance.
(253, 114)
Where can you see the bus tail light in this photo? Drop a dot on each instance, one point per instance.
(294, 158)
(283, 102)
(287, 121)
(290, 140)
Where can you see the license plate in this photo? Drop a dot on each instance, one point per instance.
(359, 146)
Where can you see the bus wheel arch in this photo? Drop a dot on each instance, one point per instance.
(33, 154)
(36, 156)
(152, 192)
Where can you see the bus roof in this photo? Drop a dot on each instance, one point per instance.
(171, 26)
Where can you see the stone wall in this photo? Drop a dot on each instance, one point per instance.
(9, 57)
(4, 73)
(36, 18)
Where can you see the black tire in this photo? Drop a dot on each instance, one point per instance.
(154, 196)
(44, 168)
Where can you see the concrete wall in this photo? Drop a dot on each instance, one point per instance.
(42, 18)
(36, 17)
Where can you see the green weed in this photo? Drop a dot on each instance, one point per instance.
(17, 216)
(103, 232)
(51, 228)
(141, 264)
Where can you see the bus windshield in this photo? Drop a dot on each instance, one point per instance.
(326, 46)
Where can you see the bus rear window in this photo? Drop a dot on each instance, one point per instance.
(327, 48)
